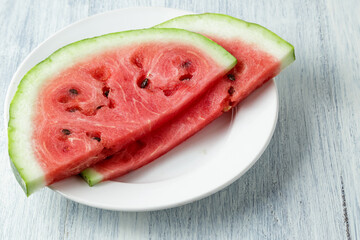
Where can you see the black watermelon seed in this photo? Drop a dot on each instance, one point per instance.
(97, 139)
(140, 143)
(231, 77)
(186, 64)
(74, 91)
(99, 107)
(144, 83)
(231, 90)
(106, 91)
(66, 131)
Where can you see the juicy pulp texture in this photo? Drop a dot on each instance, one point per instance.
(253, 69)
(116, 92)
(96, 107)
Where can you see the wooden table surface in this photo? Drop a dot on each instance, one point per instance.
(305, 185)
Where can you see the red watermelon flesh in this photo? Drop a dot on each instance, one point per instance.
(91, 109)
(106, 96)
(255, 66)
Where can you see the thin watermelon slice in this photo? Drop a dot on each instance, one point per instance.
(261, 55)
(90, 98)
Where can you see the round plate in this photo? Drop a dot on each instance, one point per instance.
(202, 165)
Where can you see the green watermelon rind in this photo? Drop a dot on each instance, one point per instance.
(27, 170)
(91, 176)
(232, 27)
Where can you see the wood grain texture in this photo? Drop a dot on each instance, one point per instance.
(305, 185)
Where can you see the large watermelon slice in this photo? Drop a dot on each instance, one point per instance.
(261, 55)
(91, 97)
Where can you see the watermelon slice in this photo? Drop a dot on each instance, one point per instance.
(90, 98)
(261, 56)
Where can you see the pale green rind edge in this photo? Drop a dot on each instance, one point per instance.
(288, 50)
(187, 20)
(19, 126)
(91, 176)
(27, 188)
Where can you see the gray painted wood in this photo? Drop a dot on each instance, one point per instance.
(305, 185)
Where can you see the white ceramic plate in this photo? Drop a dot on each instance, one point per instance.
(204, 164)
